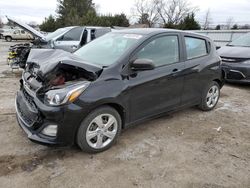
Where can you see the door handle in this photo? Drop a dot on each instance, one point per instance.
(175, 72)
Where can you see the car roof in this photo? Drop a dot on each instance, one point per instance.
(154, 31)
(96, 27)
(89, 27)
(145, 31)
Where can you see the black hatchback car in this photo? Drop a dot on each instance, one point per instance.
(236, 60)
(118, 80)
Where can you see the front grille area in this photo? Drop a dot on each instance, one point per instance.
(235, 75)
(29, 99)
(27, 110)
(28, 119)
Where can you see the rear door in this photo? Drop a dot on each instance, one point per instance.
(25, 35)
(70, 41)
(196, 72)
(16, 34)
(159, 90)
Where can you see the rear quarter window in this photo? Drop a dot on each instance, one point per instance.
(100, 32)
(196, 47)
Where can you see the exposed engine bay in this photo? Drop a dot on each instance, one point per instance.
(55, 69)
(62, 76)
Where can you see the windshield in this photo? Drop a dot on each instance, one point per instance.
(56, 33)
(241, 41)
(107, 49)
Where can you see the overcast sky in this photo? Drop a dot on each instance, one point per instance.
(36, 10)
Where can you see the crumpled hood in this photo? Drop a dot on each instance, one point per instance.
(235, 52)
(48, 59)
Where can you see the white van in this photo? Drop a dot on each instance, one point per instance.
(17, 34)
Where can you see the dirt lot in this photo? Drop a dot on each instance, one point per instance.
(184, 149)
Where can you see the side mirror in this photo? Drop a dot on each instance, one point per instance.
(142, 64)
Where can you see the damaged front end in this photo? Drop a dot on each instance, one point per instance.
(51, 81)
(18, 54)
(55, 74)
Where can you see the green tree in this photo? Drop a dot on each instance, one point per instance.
(1, 22)
(81, 12)
(120, 20)
(189, 23)
(49, 24)
(71, 12)
(235, 27)
(105, 20)
(144, 19)
(218, 27)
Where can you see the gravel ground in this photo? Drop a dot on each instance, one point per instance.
(189, 148)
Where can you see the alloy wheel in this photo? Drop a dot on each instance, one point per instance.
(101, 131)
(212, 96)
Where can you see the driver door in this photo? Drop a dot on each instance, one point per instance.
(70, 41)
(159, 90)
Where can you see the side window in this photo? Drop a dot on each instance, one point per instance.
(73, 34)
(162, 51)
(195, 47)
(102, 31)
(16, 32)
(92, 34)
(22, 31)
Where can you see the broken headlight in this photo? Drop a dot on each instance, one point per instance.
(57, 97)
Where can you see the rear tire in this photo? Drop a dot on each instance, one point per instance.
(99, 130)
(8, 39)
(210, 97)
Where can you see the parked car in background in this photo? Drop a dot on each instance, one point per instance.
(17, 34)
(75, 37)
(68, 39)
(3, 30)
(120, 79)
(236, 60)
(1, 33)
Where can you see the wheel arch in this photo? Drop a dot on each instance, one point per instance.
(5, 37)
(119, 108)
(219, 82)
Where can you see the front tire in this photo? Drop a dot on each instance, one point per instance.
(210, 97)
(8, 39)
(99, 130)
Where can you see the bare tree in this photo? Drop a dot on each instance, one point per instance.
(229, 22)
(146, 11)
(174, 11)
(207, 20)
